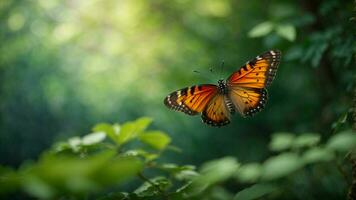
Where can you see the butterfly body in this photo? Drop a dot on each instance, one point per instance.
(222, 87)
(244, 91)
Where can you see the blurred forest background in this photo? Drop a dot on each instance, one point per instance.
(68, 65)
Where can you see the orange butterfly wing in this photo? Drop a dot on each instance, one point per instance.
(217, 112)
(257, 73)
(191, 100)
(247, 85)
(248, 101)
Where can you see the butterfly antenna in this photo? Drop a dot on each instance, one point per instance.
(198, 72)
(221, 69)
(205, 75)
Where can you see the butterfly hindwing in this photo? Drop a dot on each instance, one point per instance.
(257, 73)
(191, 100)
(217, 111)
(248, 101)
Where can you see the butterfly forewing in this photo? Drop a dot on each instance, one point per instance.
(191, 100)
(257, 73)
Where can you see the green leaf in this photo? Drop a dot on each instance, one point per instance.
(174, 149)
(111, 131)
(318, 154)
(102, 127)
(75, 143)
(218, 170)
(255, 192)
(286, 31)
(220, 193)
(93, 138)
(55, 174)
(281, 165)
(38, 188)
(142, 123)
(117, 170)
(155, 139)
(249, 173)
(185, 175)
(211, 173)
(185, 172)
(343, 141)
(127, 132)
(306, 140)
(184, 191)
(319, 52)
(61, 147)
(139, 152)
(131, 130)
(173, 168)
(170, 167)
(342, 120)
(261, 29)
(281, 141)
(154, 187)
(215, 171)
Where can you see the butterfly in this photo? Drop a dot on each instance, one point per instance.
(243, 91)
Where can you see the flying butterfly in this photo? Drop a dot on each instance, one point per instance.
(244, 91)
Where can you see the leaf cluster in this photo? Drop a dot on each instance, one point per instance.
(113, 158)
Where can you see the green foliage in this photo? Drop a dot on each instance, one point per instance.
(255, 192)
(297, 153)
(342, 142)
(213, 172)
(261, 29)
(318, 154)
(153, 187)
(90, 164)
(249, 173)
(126, 132)
(286, 31)
(155, 139)
(217, 170)
(55, 175)
(280, 166)
(306, 140)
(284, 141)
(281, 141)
